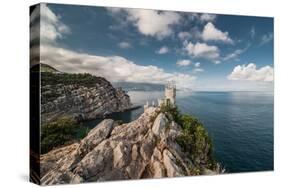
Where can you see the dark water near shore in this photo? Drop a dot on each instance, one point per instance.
(240, 124)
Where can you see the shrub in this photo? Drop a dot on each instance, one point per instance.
(87, 80)
(57, 133)
(171, 110)
(195, 141)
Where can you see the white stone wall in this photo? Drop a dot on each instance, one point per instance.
(170, 93)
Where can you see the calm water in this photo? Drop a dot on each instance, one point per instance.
(240, 124)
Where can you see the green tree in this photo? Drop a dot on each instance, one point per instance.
(57, 133)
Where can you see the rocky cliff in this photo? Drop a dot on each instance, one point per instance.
(81, 96)
(145, 148)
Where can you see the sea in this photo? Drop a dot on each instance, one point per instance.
(239, 123)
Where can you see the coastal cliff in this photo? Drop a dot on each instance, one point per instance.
(160, 143)
(80, 96)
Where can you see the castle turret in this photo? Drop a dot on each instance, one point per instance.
(170, 93)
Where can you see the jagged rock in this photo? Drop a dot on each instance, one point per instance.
(95, 162)
(170, 163)
(137, 165)
(134, 152)
(209, 172)
(159, 170)
(121, 155)
(159, 124)
(95, 136)
(147, 146)
(81, 102)
(49, 160)
(139, 149)
(156, 155)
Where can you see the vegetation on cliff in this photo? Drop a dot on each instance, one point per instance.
(161, 143)
(85, 79)
(61, 131)
(193, 139)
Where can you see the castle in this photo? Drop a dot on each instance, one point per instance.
(170, 96)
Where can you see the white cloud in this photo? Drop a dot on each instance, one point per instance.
(211, 33)
(151, 22)
(251, 73)
(217, 62)
(196, 70)
(113, 68)
(202, 50)
(184, 62)
(48, 29)
(266, 38)
(34, 26)
(233, 55)
(184, 35)
(197, 64)
(163, 50)
(51, 26)
(208, 17)
(194, 33)
(124, 45)
(197, 67)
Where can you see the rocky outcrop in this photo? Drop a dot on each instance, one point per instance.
(144, 148)
(81, 101)
(159, 124)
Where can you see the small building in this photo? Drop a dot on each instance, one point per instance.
(170, 93)
(170, 96)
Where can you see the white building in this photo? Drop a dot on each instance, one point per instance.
(170, 93)
(170, 96)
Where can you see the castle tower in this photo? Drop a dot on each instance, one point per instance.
(170, 93)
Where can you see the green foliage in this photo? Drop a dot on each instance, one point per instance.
(81, 131)
(172, 112)
(119, 122)
(87, 80)
(194, 139)
(57, 133)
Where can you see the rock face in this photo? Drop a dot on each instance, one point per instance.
(81, 102)
(144, 148)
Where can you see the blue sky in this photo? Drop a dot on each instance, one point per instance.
(198, 51)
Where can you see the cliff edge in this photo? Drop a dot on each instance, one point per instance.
(80, 96)
(160, 143)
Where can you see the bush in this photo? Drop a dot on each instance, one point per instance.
(87, 80)
(57, 133)
(193, 139)
(173, 111)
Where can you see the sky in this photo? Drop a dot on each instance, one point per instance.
(199, 51)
